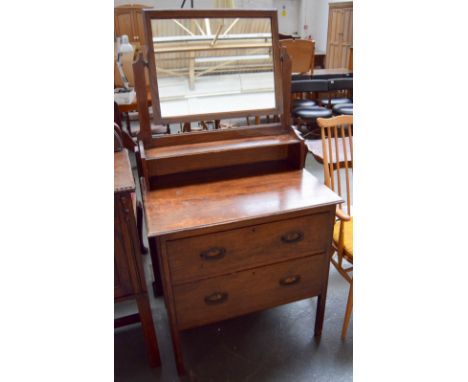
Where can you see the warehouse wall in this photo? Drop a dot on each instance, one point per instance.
(308, 18)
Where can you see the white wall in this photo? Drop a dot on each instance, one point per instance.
(320, 24)
(288, 24)
(313, 21)
(167, 4)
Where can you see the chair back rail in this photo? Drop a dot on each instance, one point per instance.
(337, 146)
(302, 53)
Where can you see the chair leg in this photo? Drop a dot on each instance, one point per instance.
(143, 249)
(186, 127)
(149, 332)
(349, 309)
(306, 134)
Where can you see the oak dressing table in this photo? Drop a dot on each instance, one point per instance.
(235, 223)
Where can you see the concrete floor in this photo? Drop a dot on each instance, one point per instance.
(272, 345)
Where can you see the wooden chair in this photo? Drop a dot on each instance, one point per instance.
(117, 116)
(337, 150)
(302, 54)
(122, 139)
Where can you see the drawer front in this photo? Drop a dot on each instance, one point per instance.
(223, 297)
(199, 257)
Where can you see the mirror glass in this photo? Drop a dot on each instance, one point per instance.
(213, 65)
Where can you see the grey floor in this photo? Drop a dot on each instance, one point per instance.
(272, 345)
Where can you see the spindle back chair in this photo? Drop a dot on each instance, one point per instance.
(337, 146)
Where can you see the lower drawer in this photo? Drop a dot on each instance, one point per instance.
(223, 297)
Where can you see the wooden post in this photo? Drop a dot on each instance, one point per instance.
(286, 73)
(139, 66)
(192, 71)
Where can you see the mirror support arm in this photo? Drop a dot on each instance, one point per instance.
(141, 91)
(286, 73)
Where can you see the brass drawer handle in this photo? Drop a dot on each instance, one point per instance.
(216, 298)
(292, 237)
(290, 280)
(215, 253)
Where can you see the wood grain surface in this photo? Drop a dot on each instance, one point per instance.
(223, 145)
(123, 176)
(195, 206)
(223, 252)
(248, 291)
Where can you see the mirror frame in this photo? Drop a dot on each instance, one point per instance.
(151, 14)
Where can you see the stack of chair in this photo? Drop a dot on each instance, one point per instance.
(339, 96)
(306, 111)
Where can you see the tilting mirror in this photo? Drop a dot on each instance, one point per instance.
(218, 67)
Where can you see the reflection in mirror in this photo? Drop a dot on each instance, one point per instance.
(213, 65)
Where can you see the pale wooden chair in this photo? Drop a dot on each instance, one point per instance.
(302, 54)
(337, 154)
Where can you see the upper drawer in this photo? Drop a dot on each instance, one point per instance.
(219, 253)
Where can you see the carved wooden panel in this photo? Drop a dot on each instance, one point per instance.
(122, 281)
(340, 34)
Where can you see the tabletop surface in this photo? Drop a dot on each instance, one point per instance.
(321, 72)
(123, 176)
(214, 203)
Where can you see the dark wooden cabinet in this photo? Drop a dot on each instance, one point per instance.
(129, 280)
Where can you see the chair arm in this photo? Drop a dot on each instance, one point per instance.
(341, 215)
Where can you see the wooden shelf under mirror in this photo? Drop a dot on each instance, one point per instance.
(235, 223)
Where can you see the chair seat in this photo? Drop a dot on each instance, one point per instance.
(346, 111)
(335, 101)
(297, 103)
(347, 237)
(297, 109)
(311, 114)
(340, 106)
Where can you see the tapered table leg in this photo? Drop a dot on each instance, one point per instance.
(148, 330)
(320, 314)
